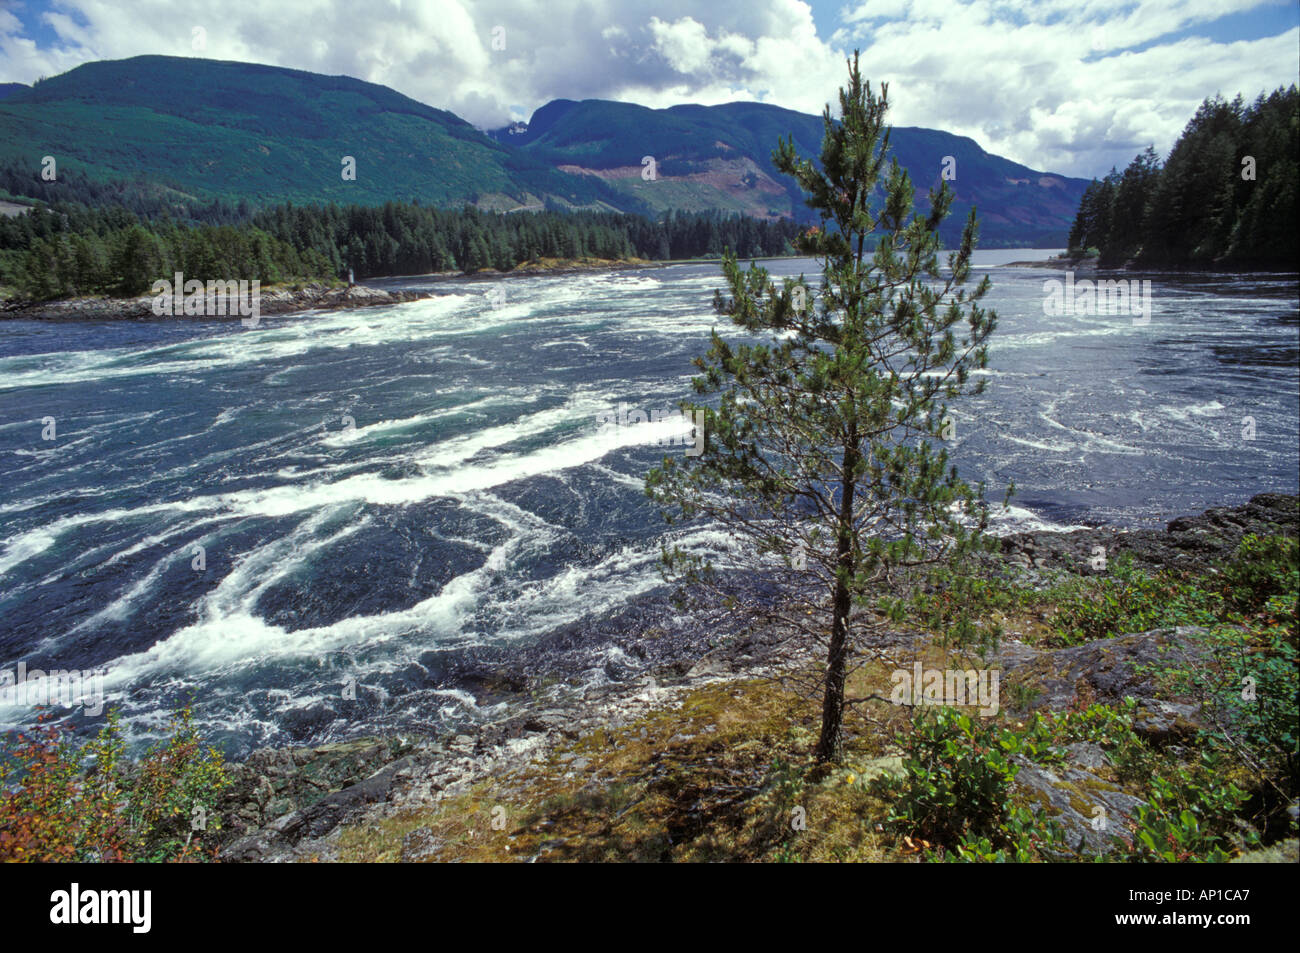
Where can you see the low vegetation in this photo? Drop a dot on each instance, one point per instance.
(728, 775)
(61, 800)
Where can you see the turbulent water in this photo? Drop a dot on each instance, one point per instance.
(263, 519)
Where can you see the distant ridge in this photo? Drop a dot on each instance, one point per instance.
(720, 157)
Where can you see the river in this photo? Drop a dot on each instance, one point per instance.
(262, 519)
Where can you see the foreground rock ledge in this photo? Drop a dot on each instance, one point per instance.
(291, 804)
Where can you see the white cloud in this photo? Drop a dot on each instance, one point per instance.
(684, 44)
(1057, 84)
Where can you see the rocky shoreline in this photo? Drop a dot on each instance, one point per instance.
(276, 301)
(1057, 264)
(319, 296)
(1090, 265)
(292, 804)
(1188, 542)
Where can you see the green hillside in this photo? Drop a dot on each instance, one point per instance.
(720, 157)
(209, 129)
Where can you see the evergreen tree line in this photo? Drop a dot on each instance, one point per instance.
(403, 239)
(75, 249)
(1226, 196)
(63, 252)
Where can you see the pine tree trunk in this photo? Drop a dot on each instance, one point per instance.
(830, 744)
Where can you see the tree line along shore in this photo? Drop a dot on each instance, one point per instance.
(69, 251)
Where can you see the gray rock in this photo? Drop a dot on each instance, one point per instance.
(710, 665)
(1085, 754)
(1186, 542)
(315, 821)
(275, 782)
(1113, 669)
(1164, 722)
(421, 844)
(1094, 813)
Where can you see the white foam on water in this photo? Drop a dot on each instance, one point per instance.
(1017, 519)
(580, 408)
(1087, 441)
(448, 474)
(346, 438)
(239, 345)
(229, 636)
(622, 479)
(136, 594)
(625, 282)
(32, 543)
(227, 632)
(227, 415)
(1186, 412)
(1045, 338)
(565, 342)
(120, 607)
(1050, 446)
(24, 546)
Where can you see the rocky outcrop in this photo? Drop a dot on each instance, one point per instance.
(320, 815)
(291, 804)
(274, 783)
(1189, 542)
(1094, 813)
(1110, 670)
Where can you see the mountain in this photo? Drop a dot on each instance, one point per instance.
(187, 129)
(720, 157)
(210, 129)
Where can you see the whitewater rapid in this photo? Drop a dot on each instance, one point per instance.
(259, 520)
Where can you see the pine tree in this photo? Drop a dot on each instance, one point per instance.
(1129, 209)
(137, 262)
(817, 456)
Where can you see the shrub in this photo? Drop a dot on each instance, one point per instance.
(1131, 600)
(955, 790)
(1261, 569)
(64, 802)
(1190, 816)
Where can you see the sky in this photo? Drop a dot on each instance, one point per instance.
(1069, 86)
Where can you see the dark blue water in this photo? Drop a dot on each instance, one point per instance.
(374, 491)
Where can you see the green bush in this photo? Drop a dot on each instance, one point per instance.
(1246, 681)
(1263, 567)
(1261, 577)
(1128, 599)
(62, 802)
(955, 790)
(1190, 816)
(957, 603)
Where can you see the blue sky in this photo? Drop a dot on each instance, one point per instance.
(1071, 86)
